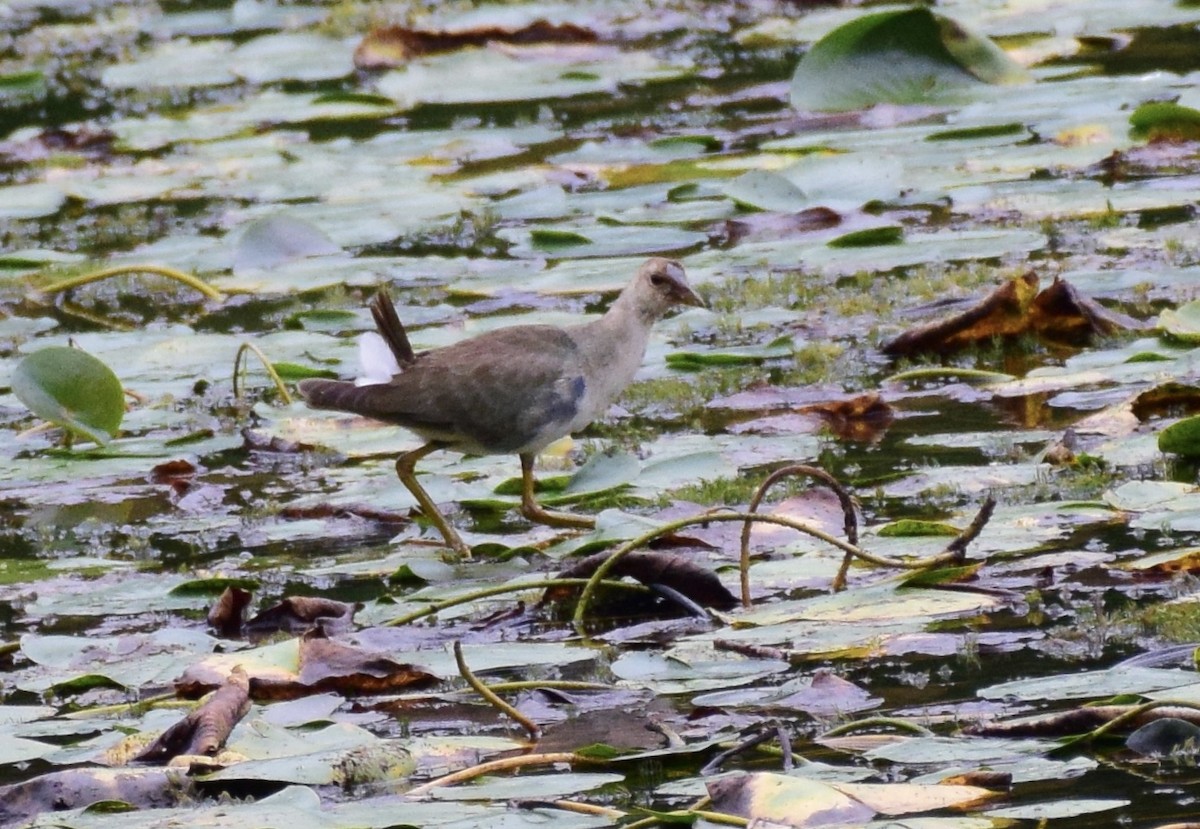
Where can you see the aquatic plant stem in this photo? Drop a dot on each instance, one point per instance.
(274, 375)
(122, 270)
(532, 728)
(850, 519)
(766, 518)
(487, 592)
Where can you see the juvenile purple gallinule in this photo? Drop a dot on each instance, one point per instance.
(510, 391)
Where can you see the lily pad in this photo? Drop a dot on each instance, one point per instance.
(901, 57)
(71, 389)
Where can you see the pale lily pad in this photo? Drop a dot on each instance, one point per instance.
(1070, 807)
(278, 240)
(292, 56)
(1091, 684)
(521, 74)
(1182, 323)
(177, 63)
(27, 201)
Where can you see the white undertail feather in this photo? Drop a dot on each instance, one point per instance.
(376, 362)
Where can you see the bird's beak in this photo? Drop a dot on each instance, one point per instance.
(684, 295)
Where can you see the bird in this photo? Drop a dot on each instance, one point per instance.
(514, 390)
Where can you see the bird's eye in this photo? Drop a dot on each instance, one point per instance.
(658, 280)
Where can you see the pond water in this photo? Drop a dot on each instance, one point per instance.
(517, 170)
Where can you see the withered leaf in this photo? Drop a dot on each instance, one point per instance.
(1004, 312)
(299, 613)
(148, 788)
(864, 418)
(1063, 313)
(327, 665)
(225, 616)
(1059, 312)
(392, 46)
(675, 571)
(205, 729)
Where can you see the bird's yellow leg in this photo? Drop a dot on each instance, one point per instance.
(532, 510)
(406, 472)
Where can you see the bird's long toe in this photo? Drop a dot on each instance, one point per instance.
(534, 512)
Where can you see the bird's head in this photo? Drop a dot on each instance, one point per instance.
(659, 286)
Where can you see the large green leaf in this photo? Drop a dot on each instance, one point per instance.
(901, 57)
(73, 389)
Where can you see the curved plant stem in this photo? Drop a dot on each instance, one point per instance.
(588, 809)
(487, 592)
(935, 372)
(712, 817)
(121, 270)
(766, 518)
(532, 728)
(550, 684)
(871, 722)
(125, 708)
(506, 764)
(1129, 716)
(850, 520)
(274, 375)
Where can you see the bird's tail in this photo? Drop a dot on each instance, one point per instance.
(335, 394)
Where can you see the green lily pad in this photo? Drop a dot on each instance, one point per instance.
(1181, 438)
(886, 235)
(72, 389)
(1165, 121)
(910, 56)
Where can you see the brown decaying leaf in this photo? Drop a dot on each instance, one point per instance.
(864, 418)
(675, 571)
(299, 613)
(226, 614)
(324, 665)
(395, 45)
(1059, 312)
(89, 142)
(205, 729)
(763, 227)
(1080, 720)
(148, 788)
(327, 665)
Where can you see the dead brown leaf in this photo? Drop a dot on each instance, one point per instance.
(205, 729)
(672, 570)
(392, 46)
(1058, 313)
(864, 418)
(299, 613)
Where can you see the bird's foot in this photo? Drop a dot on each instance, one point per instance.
(537, 514)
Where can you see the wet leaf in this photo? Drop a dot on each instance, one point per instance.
(1164, 121)
(204, 730)
(1181, 437)
(887, 235)
(72, 389)
(392, 46)
(279, 240)
(900, 57)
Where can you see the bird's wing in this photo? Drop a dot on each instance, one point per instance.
(497, 392)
